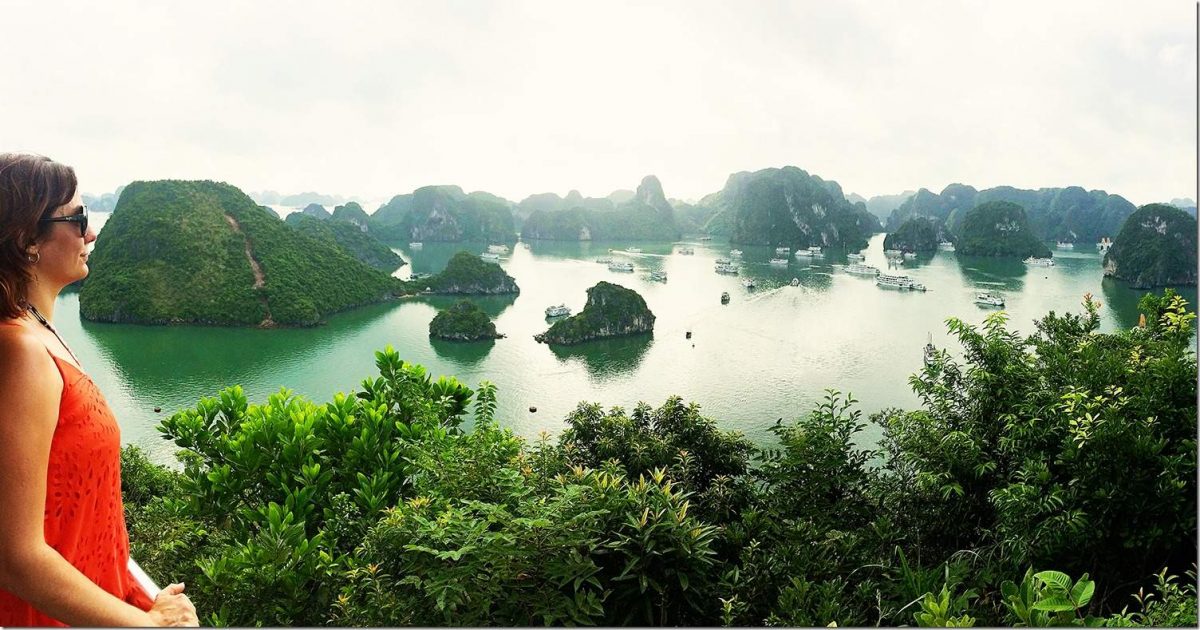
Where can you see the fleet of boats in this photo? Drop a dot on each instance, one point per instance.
(1039, 262)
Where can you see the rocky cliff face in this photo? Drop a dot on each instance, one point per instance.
(787, 206)
(611, 311)
(647, 216)
(444, 213)
(1156, 247)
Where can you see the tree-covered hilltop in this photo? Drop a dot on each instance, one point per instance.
(647, 216)
(1067, 450)
(464, 321)
(611, 311)
(1063, 214)
(350, 238)
(998, 228)
(203, 252)
(316, 211)
(352, 213)
(444, 213)
(917, 234)
(467, 274)
(788, 207)
(881, 206)
(1156, 247)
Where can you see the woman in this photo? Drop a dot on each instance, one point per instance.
(63, 545)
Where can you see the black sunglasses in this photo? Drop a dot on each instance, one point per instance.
(81, 219)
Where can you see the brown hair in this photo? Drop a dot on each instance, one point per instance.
(31, 187)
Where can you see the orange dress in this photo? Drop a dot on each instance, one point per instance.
(85, 519)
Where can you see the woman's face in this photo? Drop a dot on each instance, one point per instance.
(62, 252)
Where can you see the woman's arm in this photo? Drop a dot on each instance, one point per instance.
(30, 389)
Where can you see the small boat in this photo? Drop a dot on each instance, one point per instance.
(987, 298)
(748, 283)
(889, 281)
(558, 311)
(893, 253)
(779, 262)
(490, 256)
(686, 251)
(1065, 245)
(795, 282)
(1039, 262)
(705, 238)
(658, 276)
(811, 252)
(525, 245)
(735, 253)
(910, 255)
(930, 351)
(862, 270)
(724, 297)
(620, 266)
(857, 257)
(498, 249)
(916, 286)
(726, 268)
(418, 276)
(1104, 244)
(634, 250)
(416, 245)
(946, 246)
(783, 251)
(605, 260)
(723, 261)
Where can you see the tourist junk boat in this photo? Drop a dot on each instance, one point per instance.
(811, 252)
(930, 351)
(1065, 245)
(490, 256)
(558, 311)
(779, 262)
(987, 298)
(910, 255)
(634, 250)
(498, 249)
(748, 283)
(1104, 244)
(862, 270)
(416, 245)
(1039, 262)
(946, 246)
(686, 251)
(904, 283)
(858, 257)
(658, 276)
(620, 266)
(724, 297)
(783, 251)
(795, 282)
(725, 268)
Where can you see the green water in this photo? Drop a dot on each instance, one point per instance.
(768, 354)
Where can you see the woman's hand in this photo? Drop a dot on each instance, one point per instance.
(173, 608)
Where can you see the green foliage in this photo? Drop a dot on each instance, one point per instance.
(1170, 604)
(463, 322)
(611, 310)
(1156, 247)
(1049, 598)
(443, 213)
(467, 273)
(998, 228)
(917, 234)
(647, 216)
(349, 238)
(789, 207)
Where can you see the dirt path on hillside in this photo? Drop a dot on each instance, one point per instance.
(259, 277)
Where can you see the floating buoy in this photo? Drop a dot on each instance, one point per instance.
(689, 334)
(158, 410)
(532, 409)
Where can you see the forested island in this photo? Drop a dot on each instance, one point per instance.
(467, 274)
(464, 321)
(202, 252)
(918, 234)
(348, 236)
(1156, 247)
(646, 216)
(1030, 487)
(611, 311)
(444, 213)
(1000, 229)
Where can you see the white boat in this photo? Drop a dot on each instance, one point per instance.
(917, 286)
(779, 262)
(748, 283)
(987, 298)
(910, 255)
(418, 276)
(735, 253)
(416, 245)
(558, 311)
(893, 253)
(705, 238)
(724, 261)
(490, 257)
(1104, 244)
(498, 249)
(724, 297)
(946, 246)
(811, 252)
(658, 276)
(726, 268)
(686, 251)
(620, 266)
(930, 351)
(606, 260)
(862, 270)
(634, 250)
(858, 257)
(1039, 262)
(783, 251)
(889, 281)
(1065, 245)
(795, 282)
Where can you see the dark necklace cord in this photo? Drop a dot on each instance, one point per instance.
(42, 320)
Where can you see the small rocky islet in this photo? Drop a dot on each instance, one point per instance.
(611, 311)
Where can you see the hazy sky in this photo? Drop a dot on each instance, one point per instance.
(371, 99)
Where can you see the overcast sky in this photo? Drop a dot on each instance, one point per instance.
(371, 99)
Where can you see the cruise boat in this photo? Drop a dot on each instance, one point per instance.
(735, 253)
(1104, 244)
(726, 268)
(811, 252)
(634, 250)
(490, 257)
(724, 261)
(987, 298)
(858, 257)
(889, 281)
(946, 246)
(1040, 262)
(783, 251)
(795, 282)
(558, 311)
(416, 245)
(620, 266)
(862, 270)
(930, 351)
(1065, 245)
(658, 276)
(779, 262)
(686, 251)
(724, 297)
(748, 283)
(606, 260)
(910, 255)
(498, 249)
(418, 276)
(893, 253)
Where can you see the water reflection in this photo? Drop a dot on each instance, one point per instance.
(986, 272)
(607, 358)
(463, 353)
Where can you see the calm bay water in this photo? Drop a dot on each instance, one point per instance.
(768, 354)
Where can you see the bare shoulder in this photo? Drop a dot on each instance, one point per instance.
(27, 373)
